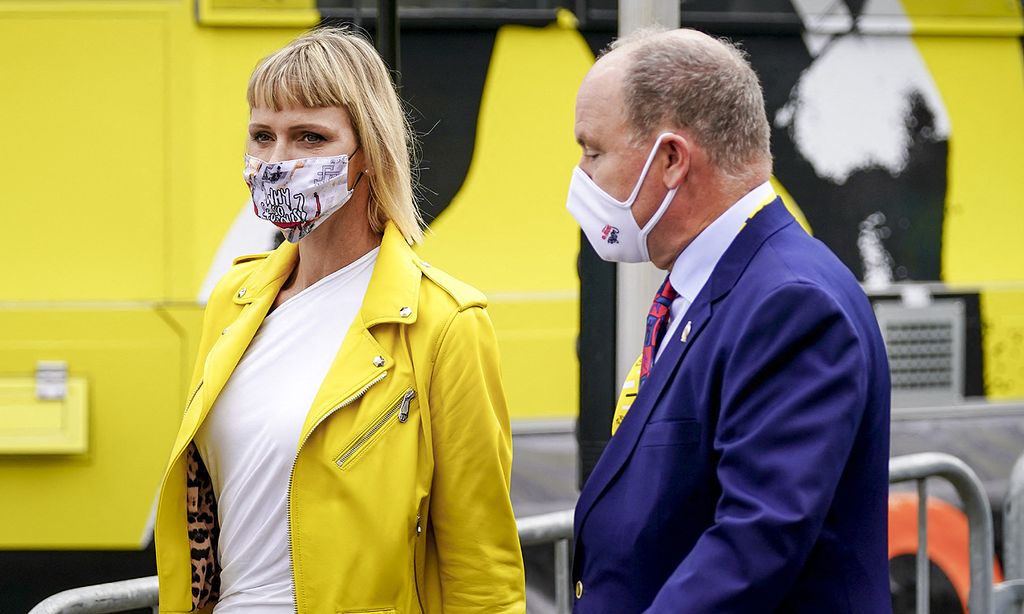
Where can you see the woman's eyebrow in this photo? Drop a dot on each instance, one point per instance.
(310, 127)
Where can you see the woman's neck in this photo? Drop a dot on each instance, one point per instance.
(341, 240)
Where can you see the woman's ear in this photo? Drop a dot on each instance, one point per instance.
(677, 165)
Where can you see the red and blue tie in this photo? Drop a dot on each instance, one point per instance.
(657, 324)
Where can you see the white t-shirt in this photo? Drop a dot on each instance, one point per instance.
(251, 436)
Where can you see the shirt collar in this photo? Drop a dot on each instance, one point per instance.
(694, 265)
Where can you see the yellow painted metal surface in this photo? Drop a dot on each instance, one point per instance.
(983, 226)
(129, 139)
(29, 425)
(258, 13)
(981, 81)
(130, 153)
(507, 231)
(1002, 311)
(91, 162)
(133, 358)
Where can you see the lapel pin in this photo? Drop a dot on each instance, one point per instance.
(686, 331)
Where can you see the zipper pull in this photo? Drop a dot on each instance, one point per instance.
(403, 411)
(419, 527)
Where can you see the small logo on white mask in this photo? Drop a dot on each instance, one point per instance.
(609, 223)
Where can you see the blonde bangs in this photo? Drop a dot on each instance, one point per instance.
(332, 67)
(296, 77)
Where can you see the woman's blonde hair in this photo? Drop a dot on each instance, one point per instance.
(333, 67)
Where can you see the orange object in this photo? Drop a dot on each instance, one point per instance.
(948, 538)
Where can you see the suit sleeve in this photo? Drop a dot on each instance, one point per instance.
(793, 396)
(480, 560)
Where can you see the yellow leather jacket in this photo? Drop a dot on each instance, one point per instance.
(399, 495)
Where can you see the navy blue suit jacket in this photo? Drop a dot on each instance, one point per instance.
(751, 472)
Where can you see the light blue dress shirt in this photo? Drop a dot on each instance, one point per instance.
(694, 265)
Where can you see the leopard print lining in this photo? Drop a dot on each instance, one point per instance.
(203, 531)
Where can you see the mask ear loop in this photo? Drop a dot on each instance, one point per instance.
(358, 179)
(643, 174)
(361, 173)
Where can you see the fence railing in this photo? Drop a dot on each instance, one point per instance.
(103, 598)
(920, 467)
(555, 528)
(1008, 596)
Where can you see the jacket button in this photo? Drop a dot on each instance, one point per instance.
(405, 312)
(378, 361)
(241, 293)
(579, 589)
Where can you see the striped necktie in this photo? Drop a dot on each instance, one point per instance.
(657, 324)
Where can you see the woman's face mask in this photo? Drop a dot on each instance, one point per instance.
(298, 195)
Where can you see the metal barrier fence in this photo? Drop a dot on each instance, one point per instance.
(1008, 596)
(547, 528)
(103, 598)
(920, 467)
(555, 528)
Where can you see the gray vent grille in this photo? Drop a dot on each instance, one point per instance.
(926, 350)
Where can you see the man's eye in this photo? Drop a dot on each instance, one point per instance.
(312, 138)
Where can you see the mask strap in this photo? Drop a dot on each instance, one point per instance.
(358, 179)
(361, 173)
(643, 174)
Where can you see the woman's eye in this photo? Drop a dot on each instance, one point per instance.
(312, 138)
(261, 137)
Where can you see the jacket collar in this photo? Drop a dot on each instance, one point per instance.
(392, 295)
(737, 257)
(394, 290)
(361, 360)
(766, 222)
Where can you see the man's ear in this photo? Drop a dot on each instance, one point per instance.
(677, 164)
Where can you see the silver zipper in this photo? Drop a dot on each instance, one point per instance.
(193, 397)
(402, 409)
(291, 476)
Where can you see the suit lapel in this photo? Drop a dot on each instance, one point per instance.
(768, 221)
(621, 446)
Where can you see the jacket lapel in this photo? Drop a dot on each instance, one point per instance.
(769, 220)
(391, 297)
(621, 446)
(254, 296)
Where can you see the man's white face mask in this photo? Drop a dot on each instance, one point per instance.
(609, 223)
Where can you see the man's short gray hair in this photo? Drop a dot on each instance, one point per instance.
(700, 84)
